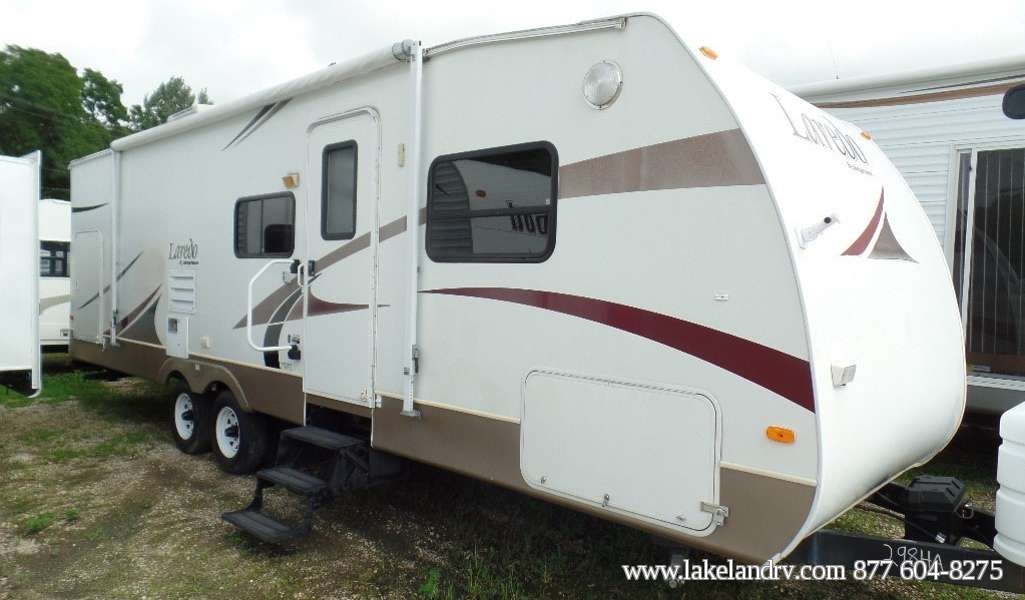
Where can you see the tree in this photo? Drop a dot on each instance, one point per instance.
(41, 108)
(101, 98)
(172, 96)
(46, 105)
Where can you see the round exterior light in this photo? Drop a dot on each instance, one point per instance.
(602, 84)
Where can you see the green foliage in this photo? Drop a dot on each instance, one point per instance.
(37, 523)
(431, 586)
(41, 108)
(45, 104)
(172, 96)
(101, 99)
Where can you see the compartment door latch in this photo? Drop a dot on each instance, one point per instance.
(719, 513)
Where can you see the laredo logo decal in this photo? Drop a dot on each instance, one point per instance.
(822, 132)
(186, 253)
(886, 246)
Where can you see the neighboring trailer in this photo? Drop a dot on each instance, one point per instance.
(54, 276)
(19, 267)
(651, 299)
(965, 161)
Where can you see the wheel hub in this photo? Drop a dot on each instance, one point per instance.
(184, 416)
(228, 434)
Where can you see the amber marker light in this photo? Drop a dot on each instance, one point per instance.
(866, 135)
(709, 52)
(780, 434)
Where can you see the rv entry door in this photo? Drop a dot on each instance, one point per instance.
(341, 226)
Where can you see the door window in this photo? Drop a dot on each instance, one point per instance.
(338, 193)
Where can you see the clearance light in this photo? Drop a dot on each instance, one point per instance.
(709, 52)
(291, 181)
(866, 135)
(780, 434)
(602, 84)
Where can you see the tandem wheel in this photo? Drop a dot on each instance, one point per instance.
(190, 419)
(241, 440)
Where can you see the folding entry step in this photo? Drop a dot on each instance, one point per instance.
(317, 465)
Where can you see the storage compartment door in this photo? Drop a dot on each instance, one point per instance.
(644, 450)
(90, 289)
(19, 265)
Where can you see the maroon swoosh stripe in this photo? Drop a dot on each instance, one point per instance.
(773, 370)
(262, 312)
(324, 307)
(861, 243)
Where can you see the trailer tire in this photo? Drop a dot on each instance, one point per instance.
(190, 419)
(240, 439)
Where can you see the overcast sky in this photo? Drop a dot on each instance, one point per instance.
(233, 47)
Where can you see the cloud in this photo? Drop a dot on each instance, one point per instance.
(234, 47)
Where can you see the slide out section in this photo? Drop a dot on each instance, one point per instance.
(19, 269)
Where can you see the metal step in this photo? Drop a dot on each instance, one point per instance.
(322, 438)
(262, 526)
(294, 480)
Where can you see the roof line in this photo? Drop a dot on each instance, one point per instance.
(592, 25)
(349, 69)
(998, 65)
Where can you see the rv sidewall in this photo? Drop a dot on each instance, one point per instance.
(253, 433)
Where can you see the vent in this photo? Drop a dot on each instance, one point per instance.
(181, 292)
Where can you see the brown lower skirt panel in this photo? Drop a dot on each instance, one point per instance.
(262, 390)
(765, 512)
(141, 360)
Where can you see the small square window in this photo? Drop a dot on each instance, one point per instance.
(53, 259)
(265, 226)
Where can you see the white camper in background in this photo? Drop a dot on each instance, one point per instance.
(965, 161)
(54, 274)
(19, 267)
(618, 282)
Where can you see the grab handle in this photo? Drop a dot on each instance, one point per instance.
(249, 308)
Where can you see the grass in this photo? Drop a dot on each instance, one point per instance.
(38, 523)
(96, 502)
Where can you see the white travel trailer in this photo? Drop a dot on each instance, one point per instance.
(19, 267)
(624, 282)
(946, 132)
(54, 276)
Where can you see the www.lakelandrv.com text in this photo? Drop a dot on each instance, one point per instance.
(863, 570)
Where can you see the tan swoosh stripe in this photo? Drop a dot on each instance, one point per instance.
(262, 312)
(714, 159)
(46, 303)
(984, 90)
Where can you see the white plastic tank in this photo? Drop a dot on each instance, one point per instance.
(1010, 514)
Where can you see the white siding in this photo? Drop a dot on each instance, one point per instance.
(920, 139)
